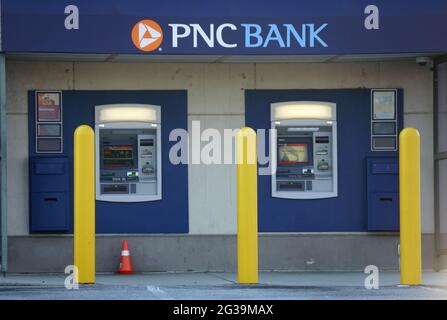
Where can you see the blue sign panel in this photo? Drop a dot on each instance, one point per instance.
(230, 27)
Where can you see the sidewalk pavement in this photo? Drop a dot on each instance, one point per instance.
(216, 285)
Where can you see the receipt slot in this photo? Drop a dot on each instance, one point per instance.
(304, 149)
(128, 152)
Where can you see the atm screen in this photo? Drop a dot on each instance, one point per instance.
(293, 153)
(119, 156)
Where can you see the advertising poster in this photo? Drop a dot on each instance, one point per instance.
(48, 106)
(384, 105)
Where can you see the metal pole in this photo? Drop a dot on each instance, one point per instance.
(84, 203)
(435, 166)
(410, 207)
(247, 206)
(3, 197)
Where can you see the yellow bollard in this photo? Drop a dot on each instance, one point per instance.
(84, 203)
(247, 206)
(410, 207)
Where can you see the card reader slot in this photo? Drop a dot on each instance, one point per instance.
(291, 186)
(324, 139)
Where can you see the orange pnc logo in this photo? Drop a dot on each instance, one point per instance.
(147, 35)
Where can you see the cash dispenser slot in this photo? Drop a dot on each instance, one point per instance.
(115, 188)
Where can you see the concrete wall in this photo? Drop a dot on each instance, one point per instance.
(216, 98)
(301, 252)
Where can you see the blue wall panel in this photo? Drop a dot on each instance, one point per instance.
(49, 194)
(169, 215)
(347, 212)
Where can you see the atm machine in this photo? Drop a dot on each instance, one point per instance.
(304, 149)
(128, 152)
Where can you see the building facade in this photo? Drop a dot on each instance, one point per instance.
(229, 85)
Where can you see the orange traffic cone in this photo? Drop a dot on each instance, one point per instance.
(125, 264)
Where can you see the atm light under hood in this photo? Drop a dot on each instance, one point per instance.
(127, 113)
(303, 110)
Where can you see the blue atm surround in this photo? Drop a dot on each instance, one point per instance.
(169, 215)
(349, 211)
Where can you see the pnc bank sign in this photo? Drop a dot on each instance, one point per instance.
(148, 35)
(219, 29)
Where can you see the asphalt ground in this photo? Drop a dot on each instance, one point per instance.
(222, 286)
